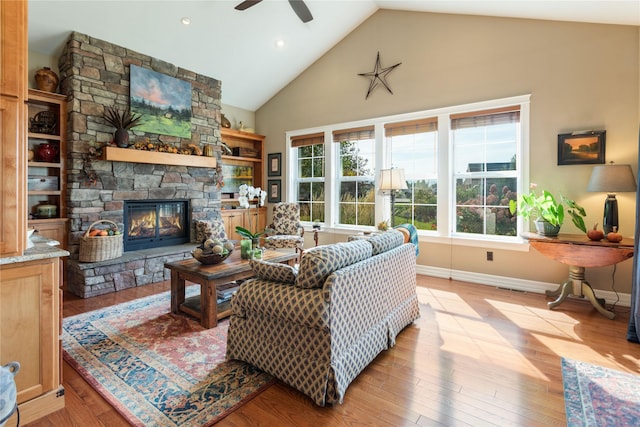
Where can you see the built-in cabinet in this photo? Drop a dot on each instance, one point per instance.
(30, 323)
(254, 219)
(30, 296)
(13, 94)
(243, 165)
(46, 173)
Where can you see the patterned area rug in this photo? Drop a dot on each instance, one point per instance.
(597, 396)
(157, 368)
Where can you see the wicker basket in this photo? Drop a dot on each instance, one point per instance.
(100, 248)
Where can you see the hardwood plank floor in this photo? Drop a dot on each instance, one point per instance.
(478, 356)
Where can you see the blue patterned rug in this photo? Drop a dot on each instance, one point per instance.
(597, 396)
(156, 368)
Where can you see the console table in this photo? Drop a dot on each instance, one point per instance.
(579, 253)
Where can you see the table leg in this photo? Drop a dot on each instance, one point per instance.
(577, 285)
(177, 291)
(562, 293)
(208, 305)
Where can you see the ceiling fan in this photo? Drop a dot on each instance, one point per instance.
(298, 7)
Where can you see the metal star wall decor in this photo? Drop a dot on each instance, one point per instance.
(378, 76)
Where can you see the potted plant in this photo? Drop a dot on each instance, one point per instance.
(249, 244)
(122, 120)
(547, 212)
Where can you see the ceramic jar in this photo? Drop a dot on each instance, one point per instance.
(47, 152)
(46, 79)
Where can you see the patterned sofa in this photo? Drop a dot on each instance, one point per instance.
(317, 328)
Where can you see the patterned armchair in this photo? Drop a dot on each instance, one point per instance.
(285, 231)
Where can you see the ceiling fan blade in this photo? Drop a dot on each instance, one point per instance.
(247, 4)
(301, 10)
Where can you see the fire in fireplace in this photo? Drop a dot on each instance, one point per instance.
(155, 223)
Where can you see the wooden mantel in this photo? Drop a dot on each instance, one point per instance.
(131, 155)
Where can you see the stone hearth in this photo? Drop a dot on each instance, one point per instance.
(95, 74)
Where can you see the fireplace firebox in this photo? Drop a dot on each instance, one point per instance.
(155, 223)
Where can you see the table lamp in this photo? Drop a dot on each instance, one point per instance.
(392, 180)
(611, 179)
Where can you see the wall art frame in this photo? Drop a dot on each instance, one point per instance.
(582, 148)
(274, 190)
(274, 160)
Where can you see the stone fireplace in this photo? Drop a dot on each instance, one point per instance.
(95, 74)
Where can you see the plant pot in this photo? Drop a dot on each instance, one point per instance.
(545, 228)
(121, 138)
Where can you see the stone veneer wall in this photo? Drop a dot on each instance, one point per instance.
(95, 74)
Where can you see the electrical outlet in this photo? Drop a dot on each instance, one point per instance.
(489, 256)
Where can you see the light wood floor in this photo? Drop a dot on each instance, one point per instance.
(478, 356)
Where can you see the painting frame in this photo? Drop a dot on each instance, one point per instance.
(274, 161)
(274, 190)
(582, 148)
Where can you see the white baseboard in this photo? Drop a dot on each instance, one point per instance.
(515, 284)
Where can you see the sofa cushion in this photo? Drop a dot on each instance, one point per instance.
(274, 271)
(319, 262)
(385, 241)
(209, 229)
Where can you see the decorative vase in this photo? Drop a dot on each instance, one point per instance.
(121, 138)
(46, 79)
(545, 228)
(246, 248)
(47, 152)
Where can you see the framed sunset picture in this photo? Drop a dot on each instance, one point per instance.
(580, 148)
(163, 101)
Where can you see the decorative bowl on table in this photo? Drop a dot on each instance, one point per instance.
(212, 252)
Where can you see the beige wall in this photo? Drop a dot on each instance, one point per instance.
(580, 76)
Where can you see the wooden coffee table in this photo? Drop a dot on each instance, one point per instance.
(208, 276)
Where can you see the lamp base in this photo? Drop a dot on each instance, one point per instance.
(610, 218)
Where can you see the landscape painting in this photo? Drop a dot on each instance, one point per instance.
(163, 101)
(579, 148)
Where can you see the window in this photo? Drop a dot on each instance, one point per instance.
(462, 165)
(413, 146)
(485, 171)
(310, 175)
(356, 205)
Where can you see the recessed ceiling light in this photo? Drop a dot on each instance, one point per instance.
(186, 20)
(280, 43)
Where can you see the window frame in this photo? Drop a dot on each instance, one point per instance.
(445, 216)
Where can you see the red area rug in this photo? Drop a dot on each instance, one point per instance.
(157, 368)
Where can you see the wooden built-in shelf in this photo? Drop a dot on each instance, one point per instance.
(131, 155)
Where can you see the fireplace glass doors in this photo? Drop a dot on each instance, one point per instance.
(155, 223)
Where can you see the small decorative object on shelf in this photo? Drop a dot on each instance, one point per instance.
(122, 120)
(47, 152)
(43, 122)
(46, 79)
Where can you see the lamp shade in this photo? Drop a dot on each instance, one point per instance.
(392, 179)
(612, 179)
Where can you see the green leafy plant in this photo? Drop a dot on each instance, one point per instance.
(546, 207)
(248, 234)
(121, 119)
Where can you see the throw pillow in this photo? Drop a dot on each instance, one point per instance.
(319, 262)
(274, 271)
(209, 229)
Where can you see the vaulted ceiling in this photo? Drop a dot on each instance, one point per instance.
(241, 48)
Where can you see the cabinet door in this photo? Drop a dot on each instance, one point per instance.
(233, 218)
(29, 325)
(257, 219)
(13, 92)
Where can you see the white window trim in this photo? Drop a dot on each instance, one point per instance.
(445, 166)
